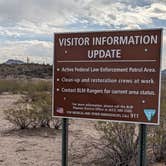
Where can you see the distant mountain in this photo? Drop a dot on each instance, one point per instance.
(12, 61)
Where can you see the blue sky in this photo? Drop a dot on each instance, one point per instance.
(27, 27)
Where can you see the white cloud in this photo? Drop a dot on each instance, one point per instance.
(27, 26)
(38, 11)
(45, 16)
(120, 14)
(41, 15)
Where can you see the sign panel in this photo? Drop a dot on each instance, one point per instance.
(113, 75)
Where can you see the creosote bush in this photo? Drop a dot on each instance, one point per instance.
(33, 110)
(120, 143)
(158, 143)
(157, 134)
(22, 116)
(157, 138)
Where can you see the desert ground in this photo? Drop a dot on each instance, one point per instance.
(39, 147)
(42, 147)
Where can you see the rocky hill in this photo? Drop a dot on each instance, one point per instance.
(12, 61)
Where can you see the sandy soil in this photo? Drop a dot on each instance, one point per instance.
(37, 147)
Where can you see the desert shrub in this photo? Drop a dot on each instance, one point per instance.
(157, 134)
(158, 143)
(24, 86)
(56, 123)
(9, 86)
(157, 138)
(120, 143)
(42, 102)
(36, 86)
(22, 116)
(43, 113)
(33, 110)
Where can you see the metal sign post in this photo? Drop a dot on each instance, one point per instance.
(64, 142)
(142, 145)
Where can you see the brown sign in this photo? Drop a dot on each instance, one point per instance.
(112, 75)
